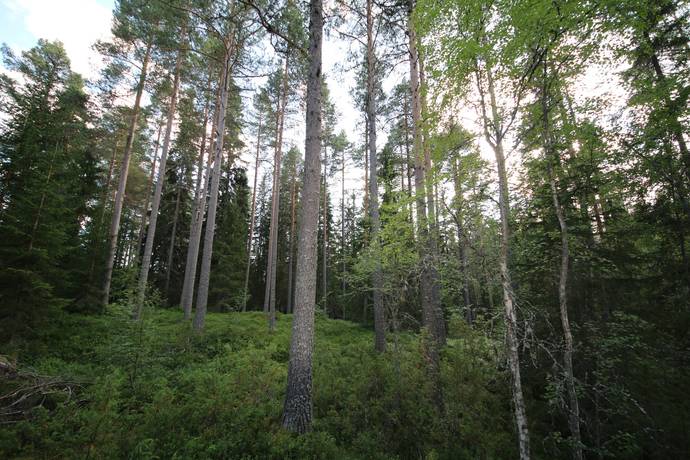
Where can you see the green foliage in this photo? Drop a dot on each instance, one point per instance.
(156, 390)
(48, 181)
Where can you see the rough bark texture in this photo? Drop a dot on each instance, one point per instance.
(252, 221)
(198, 211)
(122, 185)
(297, 413)
(155, 205)
(377, 275)
(219, 135)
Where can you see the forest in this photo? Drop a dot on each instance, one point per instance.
(350, 229)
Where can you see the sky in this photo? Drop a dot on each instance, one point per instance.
(78, 24)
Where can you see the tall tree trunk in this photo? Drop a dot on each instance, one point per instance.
(342, 221)
(149, 191)
(377, 275)
(408, 160)
(297, 413)
(171, 248)
(574, 406)
(219, 135)
(252, 218)
(428, 310)
(293, 225)
(155, 205)
(104, 200)
(124, 171)
(462, 243)
(433, 237)
(506, 283)
(324, 259)
(198, 210)
(270, 294)
(365, 203)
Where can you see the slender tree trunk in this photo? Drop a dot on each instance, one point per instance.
(408, 160)
(428, 310)
(462, 243)
(41, 204)
(171, 249)
(574, 412)
(433, 237)
(365, 203)
(101, 221)
(574, 406)
(120, 196)
(377, 275)
(219, 135)
(342, 222)
(155, 205)
(198, 211)
(506, 283)
(297, 413)
(252, 218)
(293, 224)
(149, 191)
(271, 270)
(324, 259)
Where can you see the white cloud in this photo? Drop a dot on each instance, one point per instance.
(76, 23)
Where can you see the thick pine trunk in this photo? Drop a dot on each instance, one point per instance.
(198, 211)
(297, 413)
(155, 205)
(219, 135)
(377, 275)
(124, 172)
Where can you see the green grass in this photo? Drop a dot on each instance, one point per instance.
(157, 390)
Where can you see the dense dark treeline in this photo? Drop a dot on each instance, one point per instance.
(520, 219)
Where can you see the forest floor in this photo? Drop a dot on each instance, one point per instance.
(106, 387)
